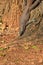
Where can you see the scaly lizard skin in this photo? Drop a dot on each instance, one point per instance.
(26, 14)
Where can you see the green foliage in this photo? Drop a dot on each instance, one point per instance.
(2, 49)
(35, 47)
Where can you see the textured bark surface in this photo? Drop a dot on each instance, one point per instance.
(16, 50)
